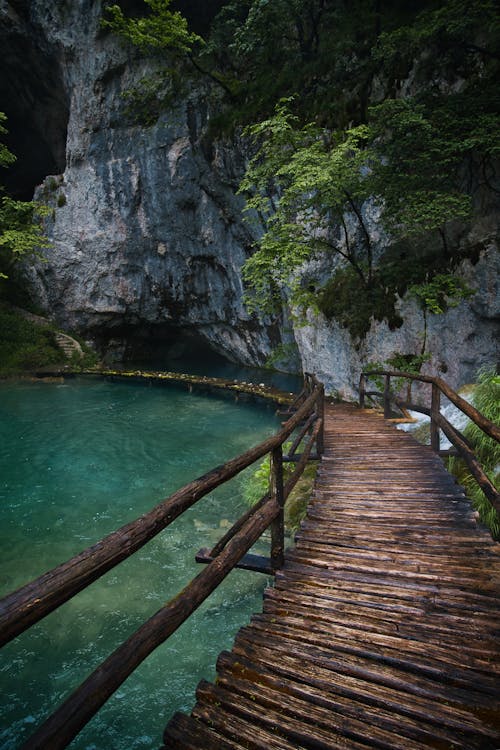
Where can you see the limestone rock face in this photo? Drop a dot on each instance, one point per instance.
(460, 341)
(147, 228)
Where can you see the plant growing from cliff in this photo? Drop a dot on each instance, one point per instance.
(21, 232)
(6, 156)
(301, 182)
(307, 186)
(416, 156)
(439, 294)
(161, 32)
(162, 29)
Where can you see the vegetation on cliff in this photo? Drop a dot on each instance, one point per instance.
(486, 399)
(21, 232)
(371, 106)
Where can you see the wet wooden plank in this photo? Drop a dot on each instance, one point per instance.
(383, 628)
(307, 700)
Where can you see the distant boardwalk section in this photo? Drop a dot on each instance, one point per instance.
(383, 628)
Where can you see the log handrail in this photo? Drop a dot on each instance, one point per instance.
(439, 422)
(32, 602)
(489, 427)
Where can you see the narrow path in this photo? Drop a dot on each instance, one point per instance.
(68, 344)
(383, 628)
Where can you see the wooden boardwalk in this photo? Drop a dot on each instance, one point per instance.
(382, 629)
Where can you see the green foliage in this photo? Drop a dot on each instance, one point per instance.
(257, 485)
(145, 102)
(303, 181)
(346, 299)
(21, 233)
(421, 145)
(412, 155)
(300, 181)
(441, 292)
(322, 49)
(486, 399)
(24, 346)
(411, 363)
(402, 362)
(6, 156)
(456, 30)
(163, 29)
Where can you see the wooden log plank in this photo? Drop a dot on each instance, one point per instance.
(299, 732)
(358, 693)
(251, 735)
(465, 647)
(322, 558)
(306, 700)
(185, 733)
(374, 666)
(300, 576)
(481, 564)
(407, 654)
(474, 634)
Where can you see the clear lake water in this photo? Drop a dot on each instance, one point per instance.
(78, 460)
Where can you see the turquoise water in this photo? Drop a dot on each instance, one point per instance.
(78, 460)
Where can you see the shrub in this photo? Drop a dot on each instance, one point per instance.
(257, 484)
(25, 346)
(486, 399)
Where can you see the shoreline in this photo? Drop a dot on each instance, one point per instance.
(200, 381)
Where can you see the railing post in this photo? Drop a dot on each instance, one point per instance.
(435, 414)
(387, 397)
(362, 390)
(320, 413)
(278, 525)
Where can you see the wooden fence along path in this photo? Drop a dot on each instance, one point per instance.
(382, 628)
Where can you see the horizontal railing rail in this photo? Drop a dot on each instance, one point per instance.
(438, 421)
(29, 604)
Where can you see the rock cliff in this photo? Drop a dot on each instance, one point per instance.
(146, 225)
(147, 230)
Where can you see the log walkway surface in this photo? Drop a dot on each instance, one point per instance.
(382, 628)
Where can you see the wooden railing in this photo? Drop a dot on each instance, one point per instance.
(438, 421)
(32, 602)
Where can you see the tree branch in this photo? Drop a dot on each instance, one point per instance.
(368, 241)
(210, 75)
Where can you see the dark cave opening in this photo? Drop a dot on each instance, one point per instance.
(34, 98)
(156, 346)
(164, 347)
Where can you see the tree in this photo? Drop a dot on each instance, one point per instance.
(413, 156)
(162, 31)
(300, 183)
(21, 233)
